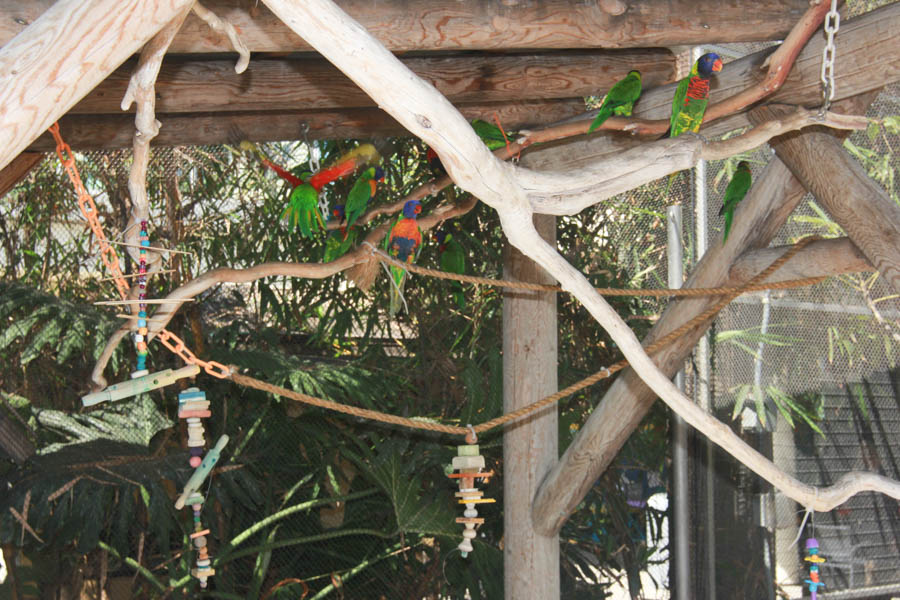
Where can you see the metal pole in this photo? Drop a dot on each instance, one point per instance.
(703, 368)
(680, 557)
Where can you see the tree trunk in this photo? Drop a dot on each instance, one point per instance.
(531, 560)
(840, 184)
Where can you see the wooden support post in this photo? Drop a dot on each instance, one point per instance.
(531, 560)
(840, 184)
(64, 54)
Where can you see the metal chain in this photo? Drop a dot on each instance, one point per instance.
(313, 155)
(832, 24)
(111, 259)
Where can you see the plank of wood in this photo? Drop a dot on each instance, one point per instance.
(65, 53)
(822, 258)
(485, 24)
(759, 216)
(93, 132)
(16, 170)
(856, 71)
(841, 185)
(531, 560)
(312, 83)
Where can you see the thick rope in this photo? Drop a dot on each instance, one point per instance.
(538, 287)
(659, 344)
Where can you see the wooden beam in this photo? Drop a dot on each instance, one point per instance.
(840, 184)
(485, 24)
(758, 218)
(856, 72)
(312, 83)
(93, 132)
(15, 171)
(60, 57)
(531, 560)
(823, 258)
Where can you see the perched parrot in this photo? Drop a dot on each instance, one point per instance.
(619, 99)
(303, 205)
(360, 194)
(339, 241)
(453, 260)
(692, 95)
(403, 244)
(734, 193)
(491, 134)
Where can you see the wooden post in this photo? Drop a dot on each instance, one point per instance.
(858, 204)
(60, 57)
(15, 171)
(531, 560)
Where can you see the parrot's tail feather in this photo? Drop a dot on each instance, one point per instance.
(602, 116)
(396, 293)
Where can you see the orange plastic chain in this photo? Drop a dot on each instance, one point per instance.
(111, 258)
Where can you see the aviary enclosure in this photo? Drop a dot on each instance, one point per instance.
(374, 300)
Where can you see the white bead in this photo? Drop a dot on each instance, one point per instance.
(470, 512)
(465, 546)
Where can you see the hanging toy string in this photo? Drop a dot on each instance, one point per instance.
(140, 338)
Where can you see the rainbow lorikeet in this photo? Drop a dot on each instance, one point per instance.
(619, 99)
(360, 194)
(403, 244)
(734, 193)
(490, 134)
(453, 260)
(339, 241)
(692, 95)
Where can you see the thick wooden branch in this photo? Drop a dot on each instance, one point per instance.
(141, 92)
(409, 25)
(225, 29)
(199, 86)
(858, 204)
(567, 192)
(822, 258)
(60, 57)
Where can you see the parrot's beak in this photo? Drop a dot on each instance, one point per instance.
(717, 66)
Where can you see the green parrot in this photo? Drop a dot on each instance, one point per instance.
(619, 99)
(337, 244)
(360, 194)
(453, 260)
(734, 193)
(404, 243)
(692, 95)
(491, 134)
(303, 210)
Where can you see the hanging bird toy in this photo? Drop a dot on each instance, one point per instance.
(812, 556)
(193, 406)
(470, 466)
